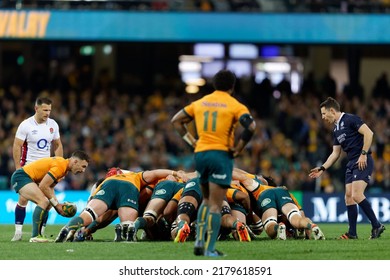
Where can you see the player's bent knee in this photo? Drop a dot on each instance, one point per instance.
(226, 210)
(186, 208)
(293, 213)
(90, 212)
(43, 203)
(22, 201)
(150, 216)
(271, 221)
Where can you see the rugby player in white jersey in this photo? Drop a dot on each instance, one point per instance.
(35, 138)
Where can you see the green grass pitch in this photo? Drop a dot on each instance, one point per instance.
(262, 248)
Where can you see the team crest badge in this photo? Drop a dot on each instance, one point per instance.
(101, 192)
(265, 202)
(161, 192)
(190, 184)
(51, 130)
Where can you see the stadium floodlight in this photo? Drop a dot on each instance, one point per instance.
(245, 51)
(197, 58)
(190, 66)
(280, 67)
(215, 50)
(211, 68)
(192, 89)
(241, 68)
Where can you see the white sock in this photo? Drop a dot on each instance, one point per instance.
(18, 228)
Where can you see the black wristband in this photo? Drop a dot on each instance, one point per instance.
(322, 168)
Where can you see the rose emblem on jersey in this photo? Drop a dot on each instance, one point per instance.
(51, 130)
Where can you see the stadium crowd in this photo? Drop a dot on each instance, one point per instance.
(253, 6)
(131, 128)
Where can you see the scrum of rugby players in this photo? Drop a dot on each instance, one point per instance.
(271, 202)
(168, 203)
(169, 208)
(122, 192)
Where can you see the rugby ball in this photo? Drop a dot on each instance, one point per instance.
(69, 209)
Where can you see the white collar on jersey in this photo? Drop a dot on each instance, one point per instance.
(338, 121)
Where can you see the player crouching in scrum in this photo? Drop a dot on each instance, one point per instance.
(119, 192)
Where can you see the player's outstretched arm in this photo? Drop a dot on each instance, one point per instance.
(333, 157)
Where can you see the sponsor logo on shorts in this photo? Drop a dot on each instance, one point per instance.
(218, 176)
(190, 184)
(265, 202)
(160, 192)
(132, 201)
(286, 197)
(101, 192)
(15, 185)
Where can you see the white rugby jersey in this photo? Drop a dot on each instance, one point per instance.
(37, 138)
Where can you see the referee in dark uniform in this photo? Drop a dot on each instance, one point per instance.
(354, 137)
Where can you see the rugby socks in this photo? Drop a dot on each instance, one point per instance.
(91, 228)
(139, 223)
(38, 215)
(43, 224)
(20, 215)
(214, 223)
(367, 209)
(180, 224)
(75, 223)
(352, 211)
(201, 224)
(18, 228)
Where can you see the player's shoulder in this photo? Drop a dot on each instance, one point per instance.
(25, 127)
(235, 101)
(57, 160)
(27, 122)
(60, 163)
(52, 122)
(351, 118)
(60, 159)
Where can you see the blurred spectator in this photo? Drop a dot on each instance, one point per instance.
(328, 86)
(261, 97)
(273, 6)
(309, 86)
(381, 88)
(221, 5)
(205, 5)
(284, 86)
